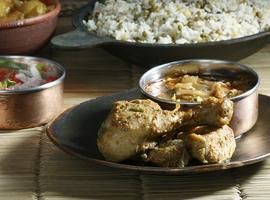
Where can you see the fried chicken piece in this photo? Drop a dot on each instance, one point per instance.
(211, 145)
(171, 153)
(130, 124)
(212, 111)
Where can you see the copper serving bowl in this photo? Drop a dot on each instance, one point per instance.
(28, 35)
(245, 105)
(31, 107)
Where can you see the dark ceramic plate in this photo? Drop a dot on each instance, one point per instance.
(147, 54)
(75, 132)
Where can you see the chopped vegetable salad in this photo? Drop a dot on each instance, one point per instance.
(16, 75)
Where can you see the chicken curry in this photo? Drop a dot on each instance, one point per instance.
(196, 88)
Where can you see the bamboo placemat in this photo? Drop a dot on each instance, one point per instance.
(33, 168)
(19, 164)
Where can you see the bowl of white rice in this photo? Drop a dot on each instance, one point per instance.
(158, 31)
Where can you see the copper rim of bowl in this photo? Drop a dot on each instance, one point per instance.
(33, 20)
(209, 61)
(59, 80)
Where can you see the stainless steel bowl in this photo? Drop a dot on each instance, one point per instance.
(245, 105)
(31, 107)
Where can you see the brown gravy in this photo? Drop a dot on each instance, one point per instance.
(196, 88)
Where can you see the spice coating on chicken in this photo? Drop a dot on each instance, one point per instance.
(211, 146)
(130, 124)
(171, 153)
(213, 111)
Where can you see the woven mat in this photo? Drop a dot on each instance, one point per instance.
(31, 167)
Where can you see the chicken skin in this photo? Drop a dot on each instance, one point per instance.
(130, 124)
(211, 145)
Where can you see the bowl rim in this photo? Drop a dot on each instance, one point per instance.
(33, 20)
(167, 65)
(45, 86)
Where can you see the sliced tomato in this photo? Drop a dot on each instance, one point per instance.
(12, 77)
(51, 79)
(3, 73)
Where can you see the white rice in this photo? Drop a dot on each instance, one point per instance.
(179, 21)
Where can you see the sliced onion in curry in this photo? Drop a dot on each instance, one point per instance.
(195, 88)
